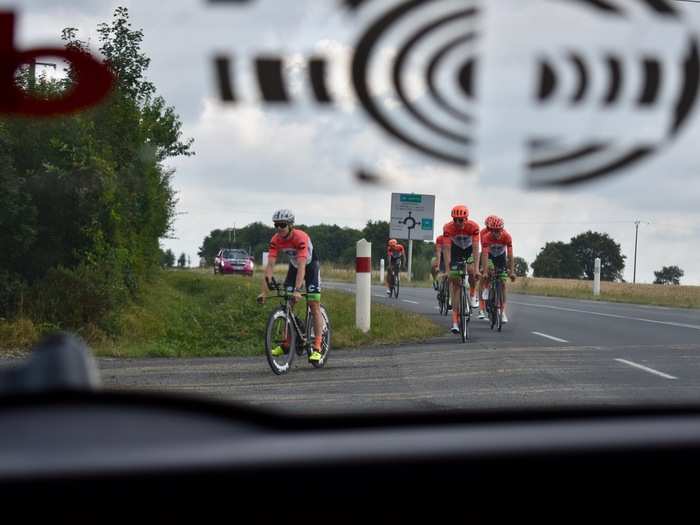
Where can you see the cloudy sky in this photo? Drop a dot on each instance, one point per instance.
(252, 158)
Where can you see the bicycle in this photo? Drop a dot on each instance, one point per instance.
(394, 281)
(443, 295)
(465, 310)
(284, 328)
(494, 303)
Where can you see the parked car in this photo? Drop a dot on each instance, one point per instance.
(231, 260)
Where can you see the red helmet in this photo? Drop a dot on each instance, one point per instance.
(494, 222)
(460, 212)
(392, 242)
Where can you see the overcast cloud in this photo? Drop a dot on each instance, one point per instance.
(251, 159)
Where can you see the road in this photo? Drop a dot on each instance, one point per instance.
(554, 352)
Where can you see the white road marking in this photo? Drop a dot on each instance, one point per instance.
(641, 319)
(551, 337)
(646, 368)
(407, 301)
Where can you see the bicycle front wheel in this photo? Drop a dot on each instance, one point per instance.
(397, 283)
(499, 305)
(280, 342)
(463, 315)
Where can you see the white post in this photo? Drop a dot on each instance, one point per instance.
(410, 257)
(264, 259)
(381, 270)
(596, 277)
(363, 285)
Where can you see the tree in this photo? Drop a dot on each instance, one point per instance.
(182, 260)
(521, 267)
(169, 258)
(668, 275)
(557, 259)
(590, 245)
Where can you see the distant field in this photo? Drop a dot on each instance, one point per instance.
(652, 294)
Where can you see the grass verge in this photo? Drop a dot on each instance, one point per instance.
(192, 314)
(650, 294)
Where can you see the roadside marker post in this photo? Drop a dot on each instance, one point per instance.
(381, 270)
(363, 285)
(596, 277)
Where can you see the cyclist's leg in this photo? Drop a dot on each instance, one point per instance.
(312, 280)
(289, 281)
(471, 265)
(500, 265)
(457, 255)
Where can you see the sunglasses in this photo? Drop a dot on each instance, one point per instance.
(280, 225)
(459, 220)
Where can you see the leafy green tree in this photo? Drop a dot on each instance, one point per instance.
(669, 275)
(557, 259)
(521, 267)
(182, 260)
(590, 245)
(88, 196)
(168, 259)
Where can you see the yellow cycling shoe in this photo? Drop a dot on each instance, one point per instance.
(277, 351)
(315, 356)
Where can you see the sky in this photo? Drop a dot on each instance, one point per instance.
(253, 158)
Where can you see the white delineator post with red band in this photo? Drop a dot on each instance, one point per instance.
(363, 285)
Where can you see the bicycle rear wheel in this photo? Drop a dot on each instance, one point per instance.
(325, 338)
(280, 334)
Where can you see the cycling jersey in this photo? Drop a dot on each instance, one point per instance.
(496, 247)
(464, 237)
(395, 253)
(297, 245)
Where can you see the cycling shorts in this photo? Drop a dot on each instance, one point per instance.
(312, 279)
(498, 263)
(459, 254)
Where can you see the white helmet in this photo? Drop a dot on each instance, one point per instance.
(283, 216)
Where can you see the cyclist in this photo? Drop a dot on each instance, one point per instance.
(497, 245)
(483, 292)
(437, 264)
(304, 268)
(461, 242)
(395, 254)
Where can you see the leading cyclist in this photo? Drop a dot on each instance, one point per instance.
(461, 242)
(496, 243)
(304, 267)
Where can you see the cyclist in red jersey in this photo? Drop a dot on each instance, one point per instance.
(497, 254)
(461, 243)
(396, 255)
(438, 262)
(304, 268)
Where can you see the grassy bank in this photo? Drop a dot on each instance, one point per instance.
(189, 314)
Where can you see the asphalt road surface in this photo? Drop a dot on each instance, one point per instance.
(553, 352)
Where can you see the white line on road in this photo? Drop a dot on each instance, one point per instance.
(407, 301)
(668, 323)
(551, 337)
(646, 368)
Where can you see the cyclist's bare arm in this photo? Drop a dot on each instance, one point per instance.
(269, 270)
(511, 263)
(475, 243)
(447, 255)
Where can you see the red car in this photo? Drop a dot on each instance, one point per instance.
(231, 260)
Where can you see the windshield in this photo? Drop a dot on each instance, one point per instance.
(448, 204)
(234, 254)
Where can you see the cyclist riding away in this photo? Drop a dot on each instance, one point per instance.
(304, 268)
(497, 247)
(461, 243)
(395, 254)
(437, 265)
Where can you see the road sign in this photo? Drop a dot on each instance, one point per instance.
(412, 216)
